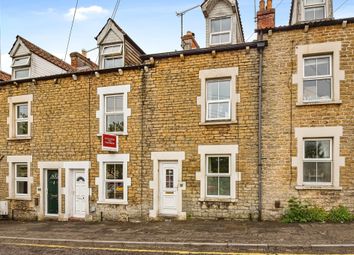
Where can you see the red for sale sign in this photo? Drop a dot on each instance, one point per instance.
(109, 142)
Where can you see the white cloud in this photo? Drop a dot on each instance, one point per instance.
(6, 63)
(45, 12)
(84, 13)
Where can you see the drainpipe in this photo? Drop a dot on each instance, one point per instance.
(260, 47)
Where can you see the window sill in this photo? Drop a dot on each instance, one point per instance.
(112, 202)
(223, 200)
(19, 198)
(19, 138)
(320, 103)
(117, 134)
(212, 123)
(318, 188)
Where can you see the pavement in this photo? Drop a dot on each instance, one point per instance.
(175, 237)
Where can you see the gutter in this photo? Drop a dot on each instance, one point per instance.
(260, 46)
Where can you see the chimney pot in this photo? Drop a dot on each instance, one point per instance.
(265, 17)
(189, 42)
(261, 5)
(84, 53)
(269, 4)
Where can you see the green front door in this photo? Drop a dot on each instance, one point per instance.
(52, 189)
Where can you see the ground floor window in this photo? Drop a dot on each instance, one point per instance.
(218, 176)
(113, 181)
(19, 179)
(317, 161)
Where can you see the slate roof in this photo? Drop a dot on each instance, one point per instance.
(4, 76)
(44, 54)
(126, 36)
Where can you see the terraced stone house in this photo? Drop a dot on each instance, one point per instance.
(229, 131)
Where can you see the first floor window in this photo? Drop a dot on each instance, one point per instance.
(21, 111)
(218, 99)
(318, 79)
(21, 179)
(317, 164)
(114, 181)
(114, 113)
(218, 176)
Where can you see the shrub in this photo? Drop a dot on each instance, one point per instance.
(302, 213)
(340, 214)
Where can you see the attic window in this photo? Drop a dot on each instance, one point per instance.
(314, 9)
(112, 56)
(114, 49)
(220, 31)
(21, 62)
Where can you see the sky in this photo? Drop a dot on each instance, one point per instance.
(153, 25)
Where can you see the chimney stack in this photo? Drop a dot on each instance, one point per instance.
(265, 15)
(189, 42)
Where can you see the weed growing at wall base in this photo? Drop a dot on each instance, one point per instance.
(303, 212)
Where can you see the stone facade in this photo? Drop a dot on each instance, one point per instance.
(165, 117)
(166, 124)
(282, 115)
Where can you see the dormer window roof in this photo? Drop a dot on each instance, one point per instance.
(30, 61)
(223, 22)
(116, 48)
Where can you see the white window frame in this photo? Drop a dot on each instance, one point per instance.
(221, 32)
(113, 180)
(316, 160)
(12, 178)
(317, 133)
(106, 113)
(100, 114)
(21, 179)
(15, 70)
(218, 101)
(12, 119)
(18, 58)
(327, 48)
(218, 74)
(313, 6)
(217, 174)
(104, 159)
(118, 54)
(320, 77)
(220, 150)
(21, 120)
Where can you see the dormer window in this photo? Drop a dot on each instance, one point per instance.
(21, 67)
(220, 31)
(314, 10)
(112, 56)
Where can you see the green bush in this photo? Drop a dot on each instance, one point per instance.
(302, 213)
(340, 214)
(299, 212)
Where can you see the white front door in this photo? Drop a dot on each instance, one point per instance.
(80, 193)
(168, 188)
